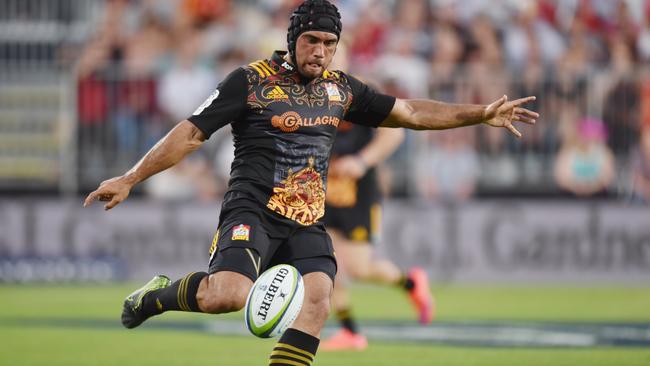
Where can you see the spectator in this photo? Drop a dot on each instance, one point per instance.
(641, 168)
(448, 169)
(94, 98)
(401, 62)
(447, 53)
(137, 120)
(202, 12)
(190, 180)
(368, 36)
(621, 101)
(187, 82)
(585, 164)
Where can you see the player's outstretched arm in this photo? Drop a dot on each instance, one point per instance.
(434, 115)
(178, 143)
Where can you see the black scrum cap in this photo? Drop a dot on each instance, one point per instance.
(313, 15)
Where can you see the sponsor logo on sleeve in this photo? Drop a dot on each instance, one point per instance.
(241, 232)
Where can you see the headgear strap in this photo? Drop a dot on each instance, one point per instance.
(313, 15)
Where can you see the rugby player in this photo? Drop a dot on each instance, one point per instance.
(284, 112)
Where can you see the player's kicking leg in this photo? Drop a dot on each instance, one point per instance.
(221, 292)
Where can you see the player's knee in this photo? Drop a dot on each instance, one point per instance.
(317, 305)
(217, 303)
(223, 296)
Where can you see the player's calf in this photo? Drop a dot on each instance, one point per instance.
(316, 305)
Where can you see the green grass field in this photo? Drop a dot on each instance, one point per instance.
(79, 325)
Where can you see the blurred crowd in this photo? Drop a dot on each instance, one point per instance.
(149, 63)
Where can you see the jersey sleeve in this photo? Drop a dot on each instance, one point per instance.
(369, 107)
(224, 105)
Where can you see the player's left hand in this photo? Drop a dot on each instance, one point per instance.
(502, 113)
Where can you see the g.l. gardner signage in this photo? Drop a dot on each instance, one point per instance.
(522, 241)
(502, 241)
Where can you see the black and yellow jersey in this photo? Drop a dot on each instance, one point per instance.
(284, 127)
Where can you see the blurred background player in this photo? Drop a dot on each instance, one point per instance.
(353, 219)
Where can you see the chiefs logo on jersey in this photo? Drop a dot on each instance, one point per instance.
(301, 196)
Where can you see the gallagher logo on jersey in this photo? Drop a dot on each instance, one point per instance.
(292, 121)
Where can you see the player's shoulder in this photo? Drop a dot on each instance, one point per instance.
(259, 70)
(344, 78)
(335, 75)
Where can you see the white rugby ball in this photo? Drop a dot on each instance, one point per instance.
(274, 301)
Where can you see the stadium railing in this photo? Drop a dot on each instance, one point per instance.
(37, 123)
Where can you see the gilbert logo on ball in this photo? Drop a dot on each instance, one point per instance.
(274, 301)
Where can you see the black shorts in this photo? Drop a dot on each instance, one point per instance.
(358, 215)
(251, 239)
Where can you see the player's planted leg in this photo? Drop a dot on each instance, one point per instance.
(298, 345)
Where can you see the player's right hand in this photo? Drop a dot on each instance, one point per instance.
(113, 191)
